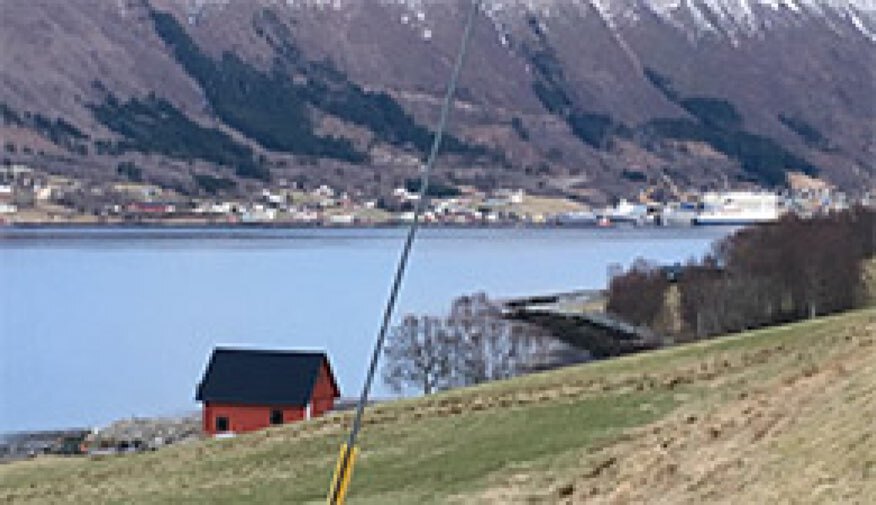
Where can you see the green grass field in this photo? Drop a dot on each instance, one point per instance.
(786, 414)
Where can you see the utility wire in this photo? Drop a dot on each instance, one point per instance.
(405, 254)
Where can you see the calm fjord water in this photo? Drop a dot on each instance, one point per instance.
(96, 325)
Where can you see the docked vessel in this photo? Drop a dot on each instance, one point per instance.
(738, 208)
(626, 212)
(682, 214)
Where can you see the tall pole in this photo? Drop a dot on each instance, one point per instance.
(341, 476)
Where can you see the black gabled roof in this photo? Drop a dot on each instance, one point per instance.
(262, 377)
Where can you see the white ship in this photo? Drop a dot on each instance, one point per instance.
(738, 208)
(678, 214)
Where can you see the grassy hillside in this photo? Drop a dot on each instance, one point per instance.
(785, 414)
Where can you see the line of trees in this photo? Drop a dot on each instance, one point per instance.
(472, 344)
(791, 270)
(154, 125)
(263, 106)
(275, 107)
(718, 123)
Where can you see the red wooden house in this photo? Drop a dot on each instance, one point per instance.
(245, 390)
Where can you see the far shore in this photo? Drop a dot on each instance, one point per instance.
(173, 225)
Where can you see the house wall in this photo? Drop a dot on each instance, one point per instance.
(243, 418)
(323, 398)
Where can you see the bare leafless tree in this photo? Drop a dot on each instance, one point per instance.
(472, 344)
(638, 295)
(419, 355)
(794, 269)
(492, 347)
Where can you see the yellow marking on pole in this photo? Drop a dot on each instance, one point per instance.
(343, 475)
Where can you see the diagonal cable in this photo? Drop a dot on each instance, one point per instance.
(406, 251)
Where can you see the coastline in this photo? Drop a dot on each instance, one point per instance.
(122, 300)
(173, 225)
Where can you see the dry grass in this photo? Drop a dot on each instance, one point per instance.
(779, 415)
(795, 424)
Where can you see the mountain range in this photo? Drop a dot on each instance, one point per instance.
(591, 99)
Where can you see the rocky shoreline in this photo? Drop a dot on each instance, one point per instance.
(126, 435)
(134, 434)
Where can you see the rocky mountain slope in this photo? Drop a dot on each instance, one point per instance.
(587, 98)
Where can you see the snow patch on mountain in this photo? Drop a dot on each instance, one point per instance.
(731, 18)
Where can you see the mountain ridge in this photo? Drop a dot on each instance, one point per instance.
(804, 70)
